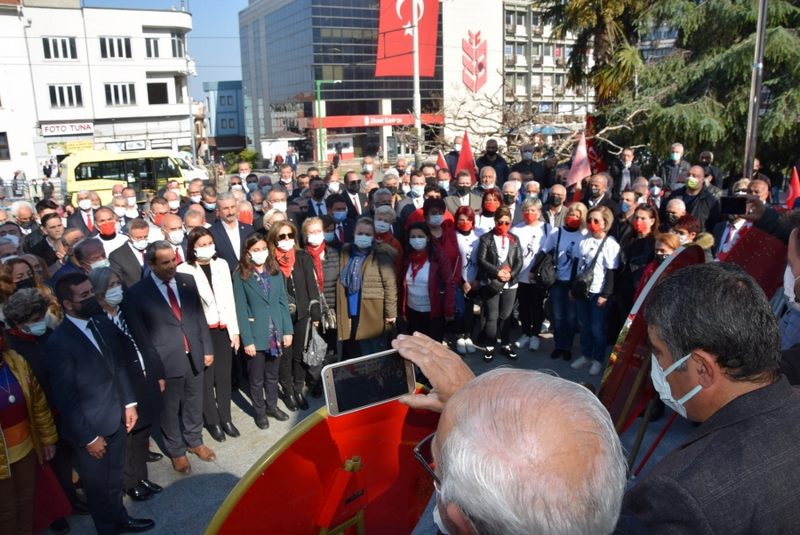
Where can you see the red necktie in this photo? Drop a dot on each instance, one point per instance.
(176, 309)
(89, 223)
(178, 256)
(340, 232)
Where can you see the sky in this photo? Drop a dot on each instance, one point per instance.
(213, 42)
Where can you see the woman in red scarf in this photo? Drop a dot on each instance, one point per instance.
(491, 201)
(325, 258)
(443, 232)
(428, 285)
(499, 263)
(297, 269)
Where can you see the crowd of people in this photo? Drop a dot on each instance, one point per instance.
(126, 320)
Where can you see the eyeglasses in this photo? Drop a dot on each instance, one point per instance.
(504, 223)
(287, 236)
(424, 454)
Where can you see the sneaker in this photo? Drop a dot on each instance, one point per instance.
(556, 353)
(595, 368)
(523, 341)
(469, 345)
(461, 346)
(545, 326)
(534, 343)
(508, 350)
(566, 355)
(579, 363)
(488, 354)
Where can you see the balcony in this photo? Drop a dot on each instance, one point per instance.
(560, 62)
(511, 29)
(536, 61)
(537, 31)
(558, 90)
(536, 90)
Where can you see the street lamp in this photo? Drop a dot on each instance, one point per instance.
(321, 152)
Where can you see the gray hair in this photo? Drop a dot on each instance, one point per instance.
(497, 460)
(82, 248)
(382, 191)
(487, 169)
(531, 203)
(100, 279)
(677, 146)
(386, 211)
(16, 205)
(677, 202)
(153, 248)
(529, 182)
(24, 305)
(226, 196)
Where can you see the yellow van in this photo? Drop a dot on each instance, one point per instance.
(99, 170)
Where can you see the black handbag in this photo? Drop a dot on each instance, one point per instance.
(328, 320)
(544, 269)
(583, 280)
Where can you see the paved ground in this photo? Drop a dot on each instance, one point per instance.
(189, 502)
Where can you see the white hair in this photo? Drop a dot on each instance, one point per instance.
(677, 202)
(16, 205)
(387, 211)
(529, 182)
(677, 146)
(497, 461)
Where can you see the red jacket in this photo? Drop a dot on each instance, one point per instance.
(441, 287)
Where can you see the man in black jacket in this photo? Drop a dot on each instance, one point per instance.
(623, 173)
(701, 204)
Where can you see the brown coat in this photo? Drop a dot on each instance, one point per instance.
(378, 300)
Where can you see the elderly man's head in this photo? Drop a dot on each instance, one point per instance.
(759, 188)
(598, 185)
(488, 177)
(676, 209)
(525, 474)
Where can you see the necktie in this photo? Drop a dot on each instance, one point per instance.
(340, 232)
(357, 204)
(319, 208)
(176, 309)
(101, 343)
(89, 222)
(178, 256)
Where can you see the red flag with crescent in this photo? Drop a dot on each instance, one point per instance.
(466, 160)
(794, 189)
(441, 163)
(395, 45)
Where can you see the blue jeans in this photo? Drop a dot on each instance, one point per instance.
(592, 319)
(564, 315)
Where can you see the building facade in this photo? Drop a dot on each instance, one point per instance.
(225, 117)
(94, 78)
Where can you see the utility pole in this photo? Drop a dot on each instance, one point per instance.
(417, 96)
(755, 90)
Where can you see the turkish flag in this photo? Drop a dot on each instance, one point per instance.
(441, 163)
(580, 163)
(595, 158)
(794, 189)
(395, 45)
(465, 158)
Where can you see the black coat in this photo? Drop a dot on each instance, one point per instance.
(76, 221)
(223, 243)
(616, 175)
(43, 250)
(488, 258)
(704, 207)
(32, 350)
(301, 288)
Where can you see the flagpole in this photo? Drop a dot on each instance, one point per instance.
(417, 96)
(755, 90)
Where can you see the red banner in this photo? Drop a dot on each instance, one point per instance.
(395, 47)
(465, 158)
(357, 121)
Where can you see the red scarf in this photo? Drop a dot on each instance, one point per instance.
(417, 260)
(316, 255)
(502, 232)
(21, 334)
(285, 261)
(384, 237)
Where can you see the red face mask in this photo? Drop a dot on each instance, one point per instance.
(107, 228)
(572, 222)
(464, 226)
(594, 227)
(491, 205)
(157, 219)
(502, 228)
(246, 218)
(530, 217)
(640, 226)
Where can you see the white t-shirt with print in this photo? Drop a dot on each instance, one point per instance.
(607, 259)
(566, 250)
(468, 249)
(531, 239)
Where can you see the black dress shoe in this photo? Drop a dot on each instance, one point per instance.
(136, 525)
(152, 487)
(262, 422)
(80, 507)
(300, 399)
(316, 390)
(289, 401)
(566, 355)
(277, 414)
(139, 493)
(60, 526)
(508, 351)
(488, 354)
(230, 429)
(556, 353)
(216, 432)
(153, 456)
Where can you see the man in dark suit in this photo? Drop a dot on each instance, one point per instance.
(414, 200)
(623, 173)
(229, 234)
(356, 200)
(166, 319)
(451, 158)
(48, 248)
(83, 217)
(316, 204)
(128, 261)
(463, 195)
(344, 227)
(598, 194)
(715, 342)
(94, 396)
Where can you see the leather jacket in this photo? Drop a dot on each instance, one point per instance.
(488, 258)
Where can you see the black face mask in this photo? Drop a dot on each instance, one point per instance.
(462, 190)
(25, 283)
(319, 193)
(672, 219)
(556, 201)
(509, 199)
(393, 189)
(89, 307)
(354, 186)
(660, 258)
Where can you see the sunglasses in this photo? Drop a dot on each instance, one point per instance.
(288, 236)
(504, 223)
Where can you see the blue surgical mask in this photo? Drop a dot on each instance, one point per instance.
(660, 383)
(444, 184)
(329, 236)
(418, 190)
(527, 155)
(676, 156)
(209, 205)
(36, 328)
(339, 216)
(362, 241)
(624, 207)
(436, 220)
(418, 244)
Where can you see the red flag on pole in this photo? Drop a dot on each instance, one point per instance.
(580, 163)
(465, 158)
(794, 189)
(441, 163)
(395, 48)
(595, 158)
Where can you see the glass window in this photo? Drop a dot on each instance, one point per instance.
(151, 46)
(157, 93)
(115, 47)
(177, 45)
(520, 19)
(5, 153)
(65, 96)
(548, 49)
(230, 100)
(224, 123)
(221, 100)
(120, 94)
(59, 48)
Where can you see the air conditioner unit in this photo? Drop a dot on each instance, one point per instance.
(511, 61)
(536, 90)
(537, 30)
(537, 61)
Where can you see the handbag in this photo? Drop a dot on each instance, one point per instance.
(314, 347)
(543, 271)
(328, 319)
(583, 280)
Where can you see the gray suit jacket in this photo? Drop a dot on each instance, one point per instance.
(453, 202)
(737, 474)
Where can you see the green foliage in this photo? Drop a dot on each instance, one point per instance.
(699, 96)
(232, 159)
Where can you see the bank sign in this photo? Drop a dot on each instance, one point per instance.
(67, 129)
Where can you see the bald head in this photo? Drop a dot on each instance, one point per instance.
(513, 472)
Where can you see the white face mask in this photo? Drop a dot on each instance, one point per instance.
(789, 281)
(457, 147)
(205, 253)
(683, 239)
(114, 295)
(280, 206)
(418, 190)
(286, 245)
(259, 257)
(362, 241)
(382, 226)
(314, 240)
(405, 188)
(85, 204)
(132, 214)
(36, 328)
(174, 205)
(139, 245)
(196, 198)
(418, 244)
(368, 168)
(175, 237)
(120, 211)
(237, 187)
(660, 383)
(131, 201)
(334, 187)
(104, 263)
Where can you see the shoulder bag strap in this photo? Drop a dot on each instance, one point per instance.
(597, 254)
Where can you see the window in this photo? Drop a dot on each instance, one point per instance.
(224, 123)
(177, 45)
(120, 95)
(559, 80)
(151, 46)
(65, 96)
(115, 47)
(230, 100)
(520, 19)
(231, 124)
(221, 100)
(5, 154)
(548, 50)
(59, 48)
(157, 93)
